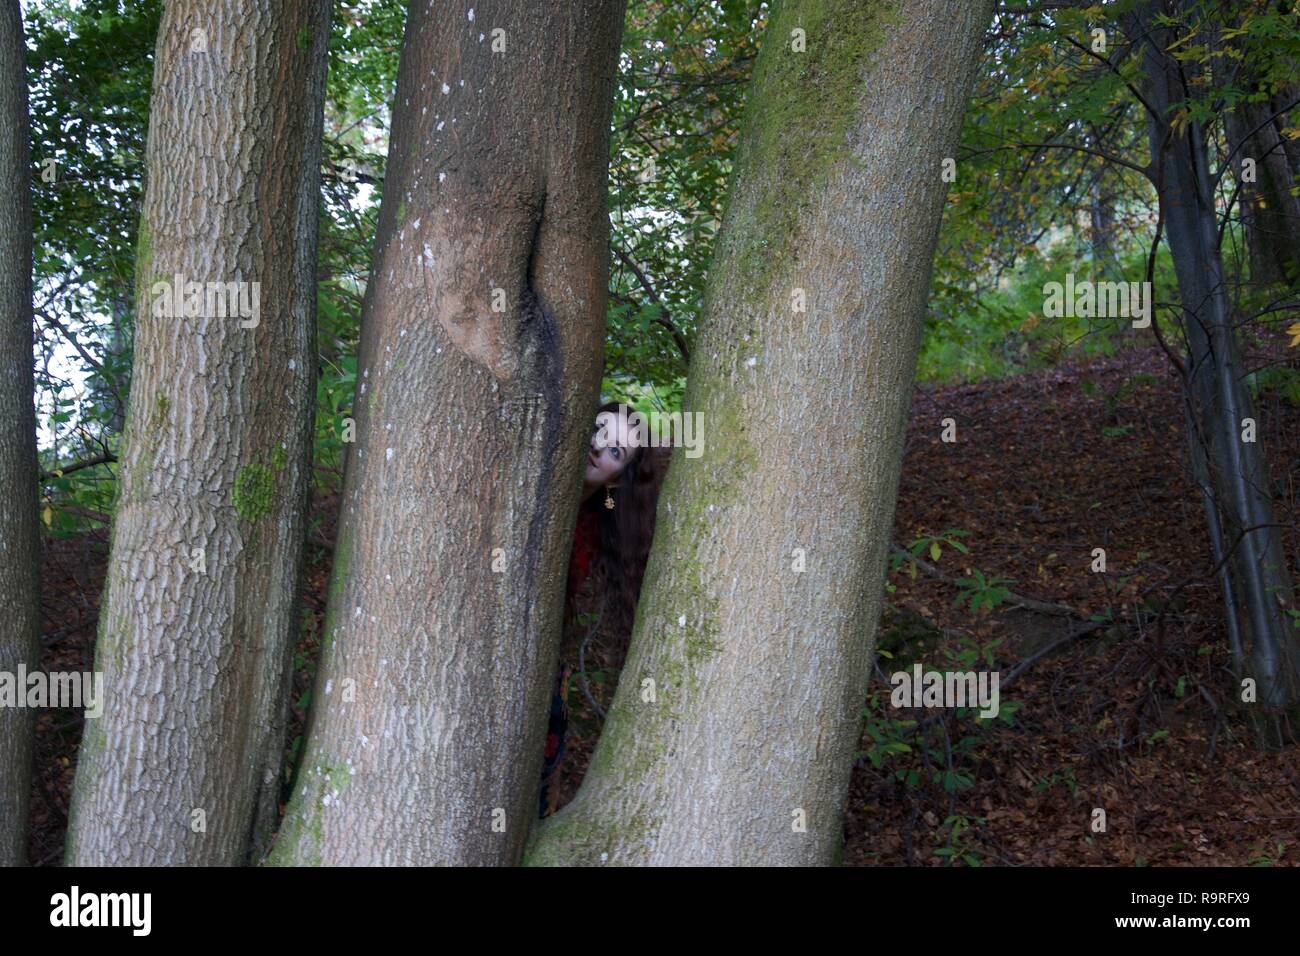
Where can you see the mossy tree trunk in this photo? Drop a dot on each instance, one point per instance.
(481, 341)
(731, 735)
(200, 613)
(19, 538)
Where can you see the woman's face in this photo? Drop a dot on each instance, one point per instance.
(610, 449)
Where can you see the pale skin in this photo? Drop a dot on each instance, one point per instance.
(611, 450)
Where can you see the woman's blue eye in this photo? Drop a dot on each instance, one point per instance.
(616, 453)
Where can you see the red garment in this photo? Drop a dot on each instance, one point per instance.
(586, 543)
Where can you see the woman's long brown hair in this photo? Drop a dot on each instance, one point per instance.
(625, 532)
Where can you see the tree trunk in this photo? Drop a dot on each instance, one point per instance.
(731, 735)
(1270, 212)
(200, 612)
(19, 537)
(1237, 471)
(482, 332)
(1101, 234)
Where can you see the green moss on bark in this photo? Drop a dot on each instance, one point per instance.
(800, 109)
(300, 837)
(254, 491)
(161, 408)
(143, 261)
(571, 838)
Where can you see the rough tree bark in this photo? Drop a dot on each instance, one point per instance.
(19, 537)
(1234, 470)
(740, 750)
(200, 614)
(482, 333)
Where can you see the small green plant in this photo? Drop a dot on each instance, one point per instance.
(931, 544)
(1056, 777)
(1262, 856)
(892, 737)
(982, 593)
(959, 848)
(967, 652)
(954, 780)
(335, 391)
(885, 731)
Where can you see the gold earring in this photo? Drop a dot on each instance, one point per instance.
(609, 498)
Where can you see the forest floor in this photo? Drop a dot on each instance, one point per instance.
(1139, 719)
(1133, 715)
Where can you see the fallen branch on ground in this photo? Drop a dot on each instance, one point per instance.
(1016, 598)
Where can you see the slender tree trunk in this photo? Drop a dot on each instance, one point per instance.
(113, 393)
(1238, 473)
(1288, 99)
(480, 359)
(1269, 209)
(19, 537)
(1101, 236)
(731, 735)
(200, 613)
(1200, 466)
